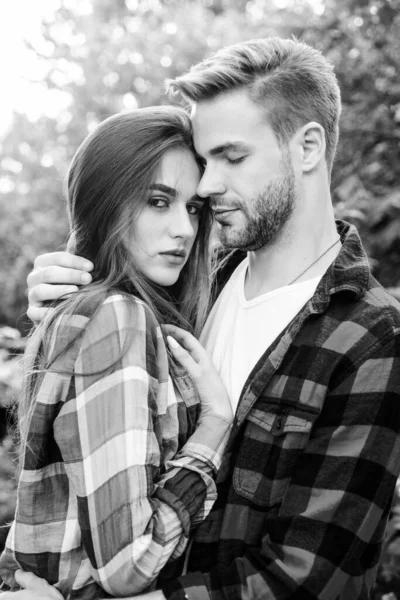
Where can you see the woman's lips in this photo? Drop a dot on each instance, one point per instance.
(174, 258)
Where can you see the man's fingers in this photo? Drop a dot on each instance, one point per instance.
(37, 313)
(45, 292)
(63, 259)
(60, 268)
(57, 275)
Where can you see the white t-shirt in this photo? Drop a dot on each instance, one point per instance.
(239, 331)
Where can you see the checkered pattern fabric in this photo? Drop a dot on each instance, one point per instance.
(307, 482)
(114, 473)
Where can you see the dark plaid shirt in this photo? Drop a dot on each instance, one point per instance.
(311, 467)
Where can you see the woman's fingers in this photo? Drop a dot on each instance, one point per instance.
(193, 357)
(183, 356)
(187, 341)
(178, 331)
(29, 581)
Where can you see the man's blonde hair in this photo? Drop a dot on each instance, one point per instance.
(294, 83)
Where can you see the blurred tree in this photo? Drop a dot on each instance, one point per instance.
(98, 57)
(361, 38)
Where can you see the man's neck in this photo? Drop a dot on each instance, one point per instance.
(302, 242)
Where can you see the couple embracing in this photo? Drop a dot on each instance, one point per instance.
(209, 421)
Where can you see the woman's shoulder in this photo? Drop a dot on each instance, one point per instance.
(118, 319)
(112, 307)
(104, 325)
(122, 332)
(118, 310)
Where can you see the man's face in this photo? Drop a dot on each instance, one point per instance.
(248, 177)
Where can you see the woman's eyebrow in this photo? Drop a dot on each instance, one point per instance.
(160, 187)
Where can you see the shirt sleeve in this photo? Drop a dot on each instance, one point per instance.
(133, 514)
(333, 515)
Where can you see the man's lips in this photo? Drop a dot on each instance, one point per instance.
(223, 209)
(223, 212)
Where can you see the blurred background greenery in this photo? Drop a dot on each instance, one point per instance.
(92, 58)
(87, 59)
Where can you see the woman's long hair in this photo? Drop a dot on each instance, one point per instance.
(107, 186)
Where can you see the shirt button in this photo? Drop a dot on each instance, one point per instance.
(278, 424)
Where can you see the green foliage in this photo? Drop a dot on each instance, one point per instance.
(7, 487)
(102, 56)
(361, 39)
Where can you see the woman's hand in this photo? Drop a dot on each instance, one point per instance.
(34, 588)
(188, 351)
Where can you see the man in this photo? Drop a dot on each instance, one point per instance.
(305, 340)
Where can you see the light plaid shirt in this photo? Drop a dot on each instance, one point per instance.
(111, 483)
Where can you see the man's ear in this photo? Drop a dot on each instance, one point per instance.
(312, 139)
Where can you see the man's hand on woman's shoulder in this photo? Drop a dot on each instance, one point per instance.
(54, 275)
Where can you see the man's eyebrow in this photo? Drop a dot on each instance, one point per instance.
(229, 146)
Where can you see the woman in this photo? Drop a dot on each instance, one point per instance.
(117, 459)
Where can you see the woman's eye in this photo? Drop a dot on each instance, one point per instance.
(194, 209)
(159, 202)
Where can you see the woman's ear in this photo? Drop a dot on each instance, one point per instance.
(312, 140)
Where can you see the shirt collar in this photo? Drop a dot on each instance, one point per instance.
(350, 271)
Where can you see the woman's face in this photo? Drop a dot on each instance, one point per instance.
(163, 233)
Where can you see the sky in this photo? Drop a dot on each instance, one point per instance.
(20, 19)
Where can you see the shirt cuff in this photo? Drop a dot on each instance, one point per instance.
(208, 443)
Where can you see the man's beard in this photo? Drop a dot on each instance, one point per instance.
(266, 214)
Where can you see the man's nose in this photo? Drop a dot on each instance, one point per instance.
(211, 183)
